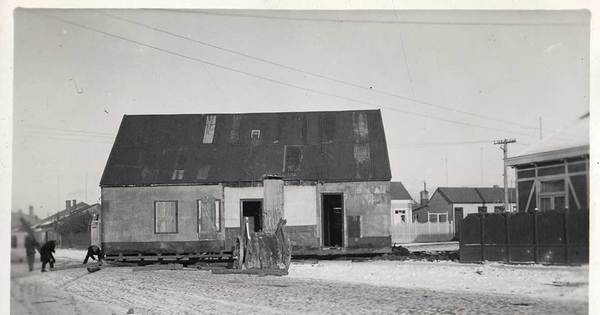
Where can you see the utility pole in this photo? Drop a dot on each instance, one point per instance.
(541, 137)
(504, 147)
(446, 161)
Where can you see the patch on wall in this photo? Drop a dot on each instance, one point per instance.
(362, 157)
(209, 129)
(293, 158)
(203, 172)
(234, 133)
(360, 127)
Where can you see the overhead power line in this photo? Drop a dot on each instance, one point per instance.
(70, 131)
(318, 75)
(357, 21)
(170, 52)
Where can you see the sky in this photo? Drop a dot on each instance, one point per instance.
(448, 83)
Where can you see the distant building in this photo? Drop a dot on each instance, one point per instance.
(70, 227)
(18, 232)
(401, 203)
(454, 203)
(553, 174)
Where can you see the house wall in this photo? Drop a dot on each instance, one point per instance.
(128, 214)
(400, 205)
(128, 217)
(370, 201)
(300, 211)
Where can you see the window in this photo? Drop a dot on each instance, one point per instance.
(255, 135)
(209, 218)
(498, 209)
(482, 209)
(433, 217)
(552, 195)
(177, 175)
(165, 217)
(443, 217)
(399, 216)
(209, 129)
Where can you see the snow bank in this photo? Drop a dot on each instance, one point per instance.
(547, 282)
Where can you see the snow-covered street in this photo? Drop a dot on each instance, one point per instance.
(403, 287)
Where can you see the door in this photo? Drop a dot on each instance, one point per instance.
(252, 209)
(458, 216)
(333, 220)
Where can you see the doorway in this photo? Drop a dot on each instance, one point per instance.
(333, 220)
(252, 209)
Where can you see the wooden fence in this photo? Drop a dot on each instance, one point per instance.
(417, 232)
(548, 237)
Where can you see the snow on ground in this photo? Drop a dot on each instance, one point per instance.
(548, 282)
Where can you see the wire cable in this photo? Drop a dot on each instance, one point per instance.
(173, 53)
(318, 75)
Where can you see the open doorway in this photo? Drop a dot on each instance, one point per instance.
(333, 220)
(252, 209)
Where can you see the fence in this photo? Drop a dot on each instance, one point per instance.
(549, 237)
(417, 232)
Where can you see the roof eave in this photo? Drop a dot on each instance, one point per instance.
(548, 155)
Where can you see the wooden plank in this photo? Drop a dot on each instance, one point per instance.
(260, 272)
(158, 267)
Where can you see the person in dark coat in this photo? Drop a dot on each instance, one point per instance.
(94, 251)
(46, 254)
(30, 246)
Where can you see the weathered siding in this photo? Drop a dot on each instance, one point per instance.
(128, 212)
(371, 202)
(273, 204)
(300, 205)
(300, 211)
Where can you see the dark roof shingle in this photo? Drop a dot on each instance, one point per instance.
(399, 192)
(476, 194)
(214, 148)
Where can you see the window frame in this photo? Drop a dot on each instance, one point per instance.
(176, 216)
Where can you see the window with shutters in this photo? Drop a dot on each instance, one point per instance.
(165, 217)
(209, 218)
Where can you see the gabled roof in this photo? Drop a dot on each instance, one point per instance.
(399, 192)
(215, 148)
(475, 194)
(572, 141)
(80, 207)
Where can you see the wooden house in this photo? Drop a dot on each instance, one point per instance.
(184, 183)
(553, 174)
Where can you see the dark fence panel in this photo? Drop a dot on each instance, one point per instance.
(521, 233)
(494, 237)
(470, 239)
(551, 246)
(578, 235)
(549, 237)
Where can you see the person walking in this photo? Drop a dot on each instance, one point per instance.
(30, 246)
(46, 254)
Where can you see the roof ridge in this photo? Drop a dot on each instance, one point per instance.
(253, 113)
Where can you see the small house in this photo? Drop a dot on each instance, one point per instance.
(401, 202)
(186, 183)
(452, 204)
